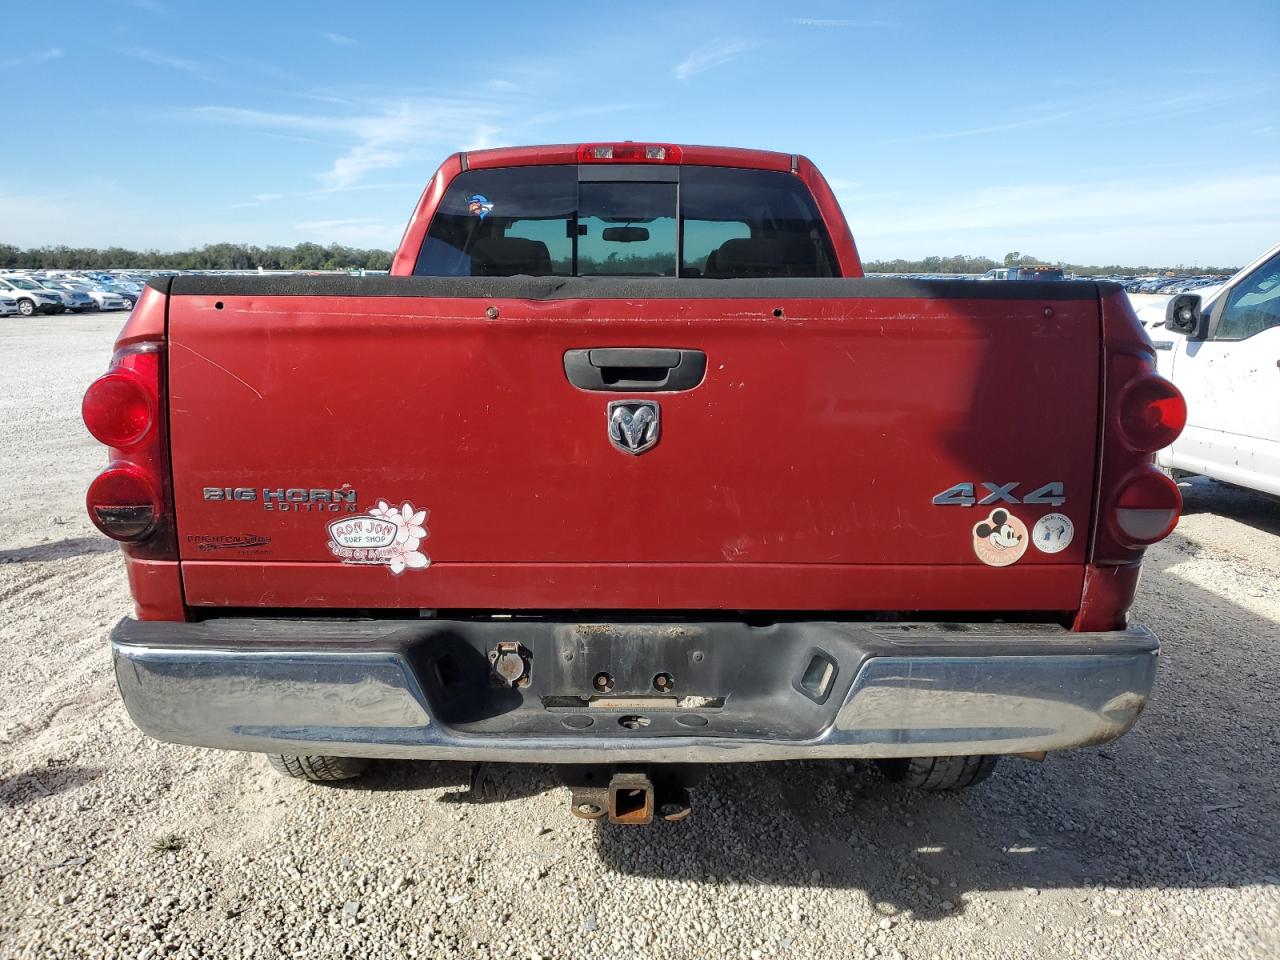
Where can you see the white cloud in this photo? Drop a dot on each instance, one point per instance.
(30, 59)
(714, 54)
(1098, 111)
(100, 214)
(259, 199)
(381, 139)
(313, 225)
(1221, 219)
(1038, 121)
(574, 113)
(164, 60)
(356, 187)
(818, 22)
(843, 185)
(86, 213)
(340, 39)
(355, 231)
(351, 168)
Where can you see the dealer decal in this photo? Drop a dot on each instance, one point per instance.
(387, 536)
(1000, 540)
(1052, 533)
(210, 542)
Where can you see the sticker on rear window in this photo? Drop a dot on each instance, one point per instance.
(1052, 533)
(1000, 540)
(386, 536)
(479, 205)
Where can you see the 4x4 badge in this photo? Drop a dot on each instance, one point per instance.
(634, 425)
(963, 495)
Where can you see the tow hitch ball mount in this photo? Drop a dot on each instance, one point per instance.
(629, 795)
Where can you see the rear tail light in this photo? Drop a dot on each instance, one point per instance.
(1147, 507)
(1135, 504)
(629, 153)
(131, 501)
(118, 409)
(1152, 414)
(123, 504)
(1142, 413)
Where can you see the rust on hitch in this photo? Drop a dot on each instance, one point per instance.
(628, 796)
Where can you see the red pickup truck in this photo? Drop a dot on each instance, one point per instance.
(627, 468)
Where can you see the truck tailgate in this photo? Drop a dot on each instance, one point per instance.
(800, 473)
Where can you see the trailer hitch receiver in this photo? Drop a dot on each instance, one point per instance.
(630, 796)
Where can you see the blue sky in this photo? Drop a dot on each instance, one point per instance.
(1088, 132)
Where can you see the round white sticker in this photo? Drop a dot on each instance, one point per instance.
(1052, 533)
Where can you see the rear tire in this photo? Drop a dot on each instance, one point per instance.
(317, 768)
(935, 774)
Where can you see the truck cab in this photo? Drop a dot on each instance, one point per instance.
(1035, 271)
(1227, 365)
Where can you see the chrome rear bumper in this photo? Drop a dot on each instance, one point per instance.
(803, 690)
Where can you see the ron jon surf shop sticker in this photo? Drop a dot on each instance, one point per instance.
(386, 536)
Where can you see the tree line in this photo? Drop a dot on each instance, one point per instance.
(315, 256)
(214, 256)
(963, 264)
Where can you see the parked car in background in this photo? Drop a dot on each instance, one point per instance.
(126, 292)
(75, 298)
(32, 297)
(122, 295)
(109, 300)
(1026, 271)
(8, 306)
(1222, 350)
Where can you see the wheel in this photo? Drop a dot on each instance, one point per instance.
(26, 307)
(128, 303)
(317, 768)
(934, 774)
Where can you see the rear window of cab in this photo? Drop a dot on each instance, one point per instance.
(689, 221)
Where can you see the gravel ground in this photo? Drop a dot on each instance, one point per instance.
(1162, 844)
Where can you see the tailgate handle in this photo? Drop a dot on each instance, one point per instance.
(635, 369)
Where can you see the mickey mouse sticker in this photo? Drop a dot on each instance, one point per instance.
(1000, 540)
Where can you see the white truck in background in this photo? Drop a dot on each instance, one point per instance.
(1222, 349)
